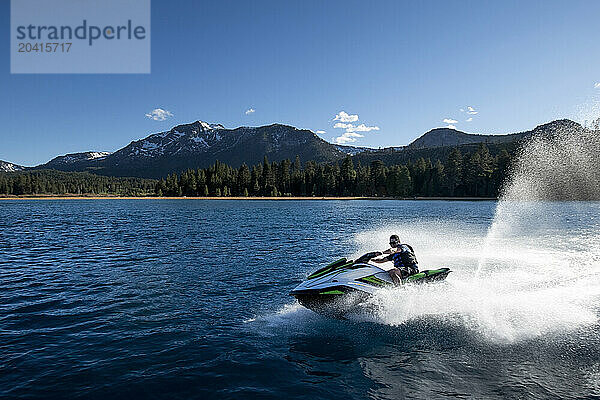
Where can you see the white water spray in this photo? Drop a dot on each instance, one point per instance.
(535, 271)
(563, 164)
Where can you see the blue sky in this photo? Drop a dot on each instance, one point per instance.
(402, 67)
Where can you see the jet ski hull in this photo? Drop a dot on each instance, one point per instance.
(342, 286)
(335, 301)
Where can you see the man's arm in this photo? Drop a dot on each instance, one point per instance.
(382, 260)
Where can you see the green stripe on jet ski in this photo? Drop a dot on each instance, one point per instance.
(327, 268)
(416, 276)
(333, 292)
(436, 271)
(427, 273)
(372, 279)
(340, 264)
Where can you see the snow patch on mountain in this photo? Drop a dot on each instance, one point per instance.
(92, 155)
(78, 157)
(351, 150)
(6, 166)
(208, 126)
(199, 140)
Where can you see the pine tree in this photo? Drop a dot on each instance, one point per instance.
(243, 179)
(348, 176)
(284, 181)
(454, 173)
(437, 179)
(377, 178)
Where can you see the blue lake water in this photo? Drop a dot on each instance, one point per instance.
(183, 299)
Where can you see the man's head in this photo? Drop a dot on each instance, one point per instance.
(394, 241)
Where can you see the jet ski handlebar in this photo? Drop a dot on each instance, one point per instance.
(366, 257)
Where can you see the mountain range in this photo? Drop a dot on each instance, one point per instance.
(200, 144)
(441, 137)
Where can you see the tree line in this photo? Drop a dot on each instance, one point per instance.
(475, 174)
(52, 182)
(478, 174)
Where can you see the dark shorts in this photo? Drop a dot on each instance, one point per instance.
(398, 274)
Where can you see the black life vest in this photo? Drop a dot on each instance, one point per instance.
(405, 258)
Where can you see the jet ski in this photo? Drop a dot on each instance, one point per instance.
(344, 285)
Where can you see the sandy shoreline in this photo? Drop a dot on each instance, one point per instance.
(237, 198)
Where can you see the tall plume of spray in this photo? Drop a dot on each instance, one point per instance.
(561, 162)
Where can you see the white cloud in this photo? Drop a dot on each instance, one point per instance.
(362, 128)
(158, 114)
(350, 135)
(250, 111)
(343, 140)
(597, 85)
(347, 137)
(469, 110)
(450, 123)
(469, 119)
(320, 132)
(343, 116)
(342, 126)
(353, 128)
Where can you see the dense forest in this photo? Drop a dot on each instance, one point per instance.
(51, 182)
(478, 174)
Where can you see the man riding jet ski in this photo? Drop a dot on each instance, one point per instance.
(341, 286)
(403, 256)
